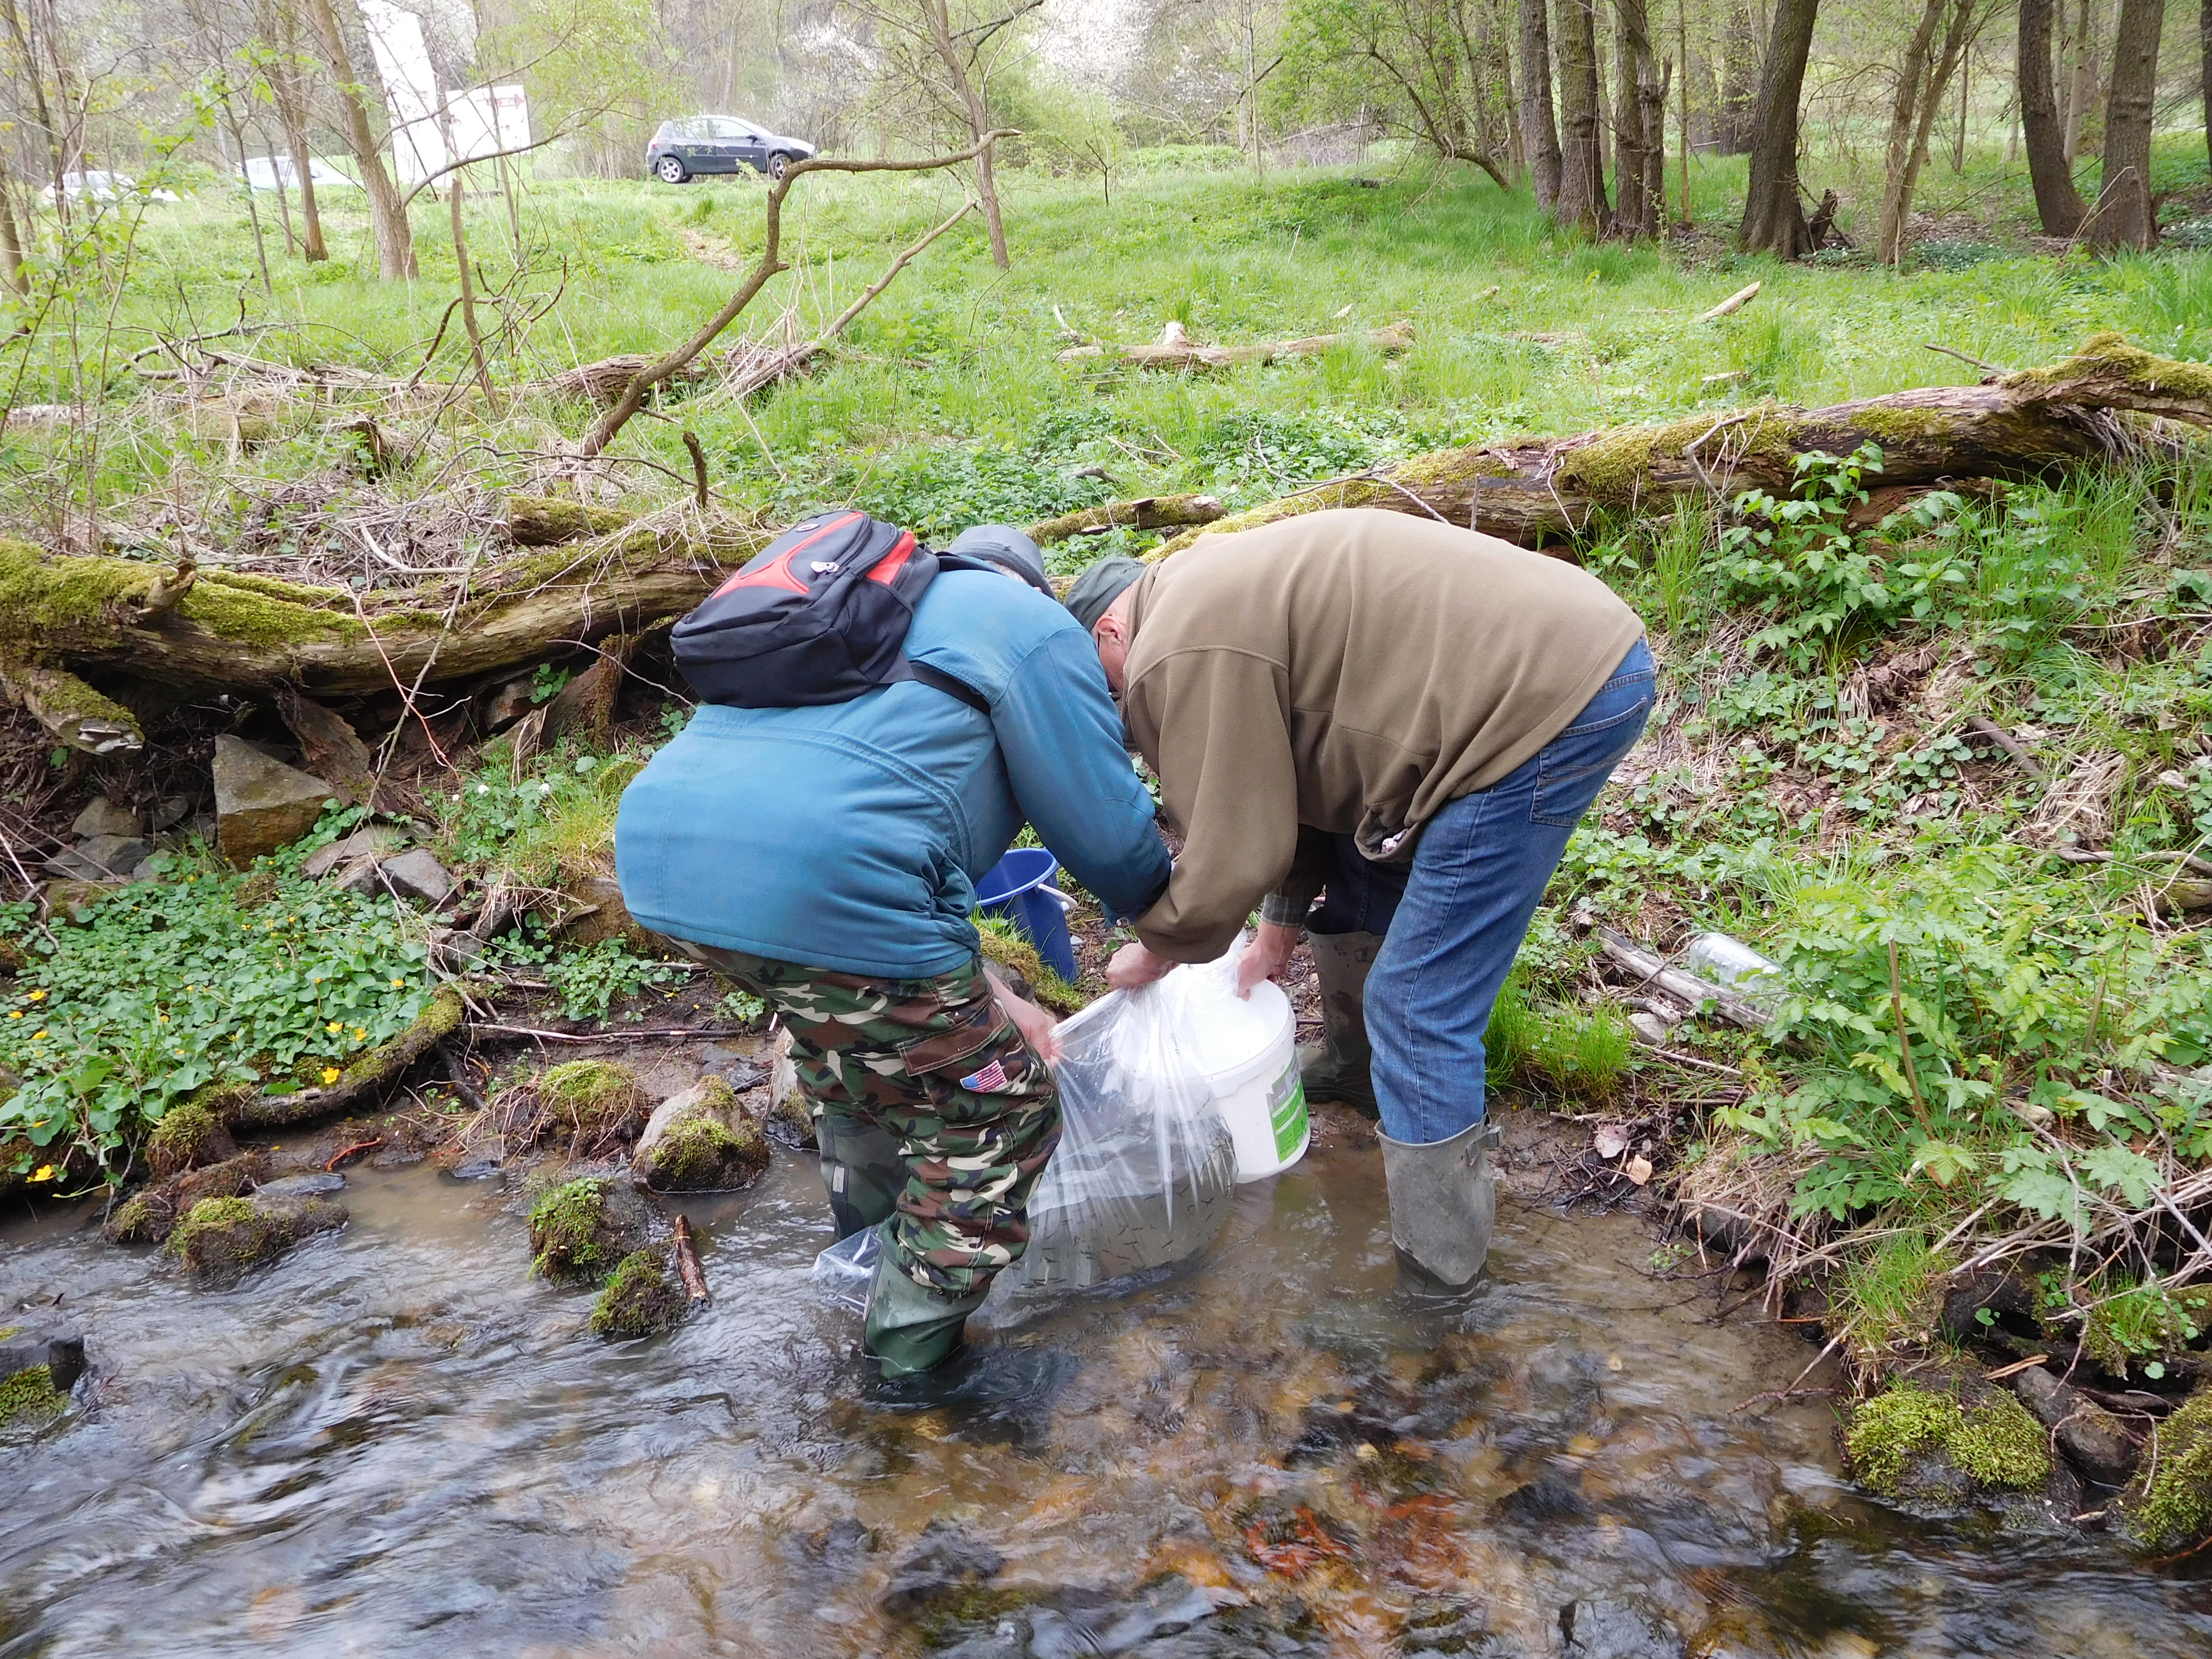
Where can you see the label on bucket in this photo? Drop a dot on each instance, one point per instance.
(1287, 1111)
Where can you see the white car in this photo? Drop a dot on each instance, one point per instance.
(279, 172)
(97, 186)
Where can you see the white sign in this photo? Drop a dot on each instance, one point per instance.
(486, 120)
(411, 89)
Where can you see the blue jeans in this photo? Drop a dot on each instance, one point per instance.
(1454, 920)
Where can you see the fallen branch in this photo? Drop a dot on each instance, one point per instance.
(74, 715)
(687, 1265)
(1145, 513)
(1650, 969)
(1734, 302)
(1175, 349)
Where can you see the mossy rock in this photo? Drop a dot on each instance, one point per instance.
(1921, 1444)
(640, 1297)
(29, 1397)
(791, 1120)
(2169, 1506)
(221, 1239)
(582, 1228)
(1025, 971)
(148, 1216)
(702, 1141)
(592, 1103)
(188, 1137)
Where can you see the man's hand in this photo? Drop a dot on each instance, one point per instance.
(1038, 1029)
(1267, 957)
(1133, 966)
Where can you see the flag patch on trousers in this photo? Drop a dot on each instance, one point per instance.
(989, 1080)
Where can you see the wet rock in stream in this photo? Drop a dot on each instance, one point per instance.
(149, 1215)
(944, 1559)
(221, 1239)
(40, 1361)
(580, 1229)
(640, 1299)
(188, 1137)
(701, 1141)
(1604, 1629)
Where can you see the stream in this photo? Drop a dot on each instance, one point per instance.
(395, 1441)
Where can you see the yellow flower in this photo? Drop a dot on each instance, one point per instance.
(360, 1034)
(15, 1013)
(38, 1035)
(398, 984)
(330, 1075)
(333, 1026)
(44, 1172)
(39, 995)
(162, 1018)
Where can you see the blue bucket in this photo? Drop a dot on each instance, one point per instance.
(1016, 888)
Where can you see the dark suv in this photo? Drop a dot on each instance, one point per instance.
(718, 143)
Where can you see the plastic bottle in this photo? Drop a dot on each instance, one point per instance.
(1729, 962)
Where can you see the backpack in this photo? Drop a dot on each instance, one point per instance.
(819, 617)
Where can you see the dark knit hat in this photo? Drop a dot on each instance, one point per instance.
(1099, 586)
(1006, 547)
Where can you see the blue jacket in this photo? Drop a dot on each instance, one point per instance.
(851, 836)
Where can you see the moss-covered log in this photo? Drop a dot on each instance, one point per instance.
(235, 631)
(1539, 490)
(362, 1083)
(74, 715)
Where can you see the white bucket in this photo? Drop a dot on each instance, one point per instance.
(1247, 1050)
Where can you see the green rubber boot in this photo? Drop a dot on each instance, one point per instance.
(861, 1170)
(1442, 1207)
(911, 1329)
(1335, 1068)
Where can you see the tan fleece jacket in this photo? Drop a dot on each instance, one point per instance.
(1349, 671)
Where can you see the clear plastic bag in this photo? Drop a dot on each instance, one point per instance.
(1145, 1170)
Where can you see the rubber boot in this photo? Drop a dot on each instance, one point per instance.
(1443, 1206)
(861, 1170)
(1335, 1068)
(910, 1328)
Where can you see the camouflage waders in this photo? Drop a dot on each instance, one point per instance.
(935, 1121)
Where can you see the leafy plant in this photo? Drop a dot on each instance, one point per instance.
(591, 981)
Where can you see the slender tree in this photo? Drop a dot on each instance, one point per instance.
(288, 84)
(1737, 121)
(1773, 220)
(1922, 80)
(2124, 216)
(1640, 127)
(1582, 126)
(1540, 129)
(2059, 205)
(387, 208)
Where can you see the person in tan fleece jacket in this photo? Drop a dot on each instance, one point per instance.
(1402, 719)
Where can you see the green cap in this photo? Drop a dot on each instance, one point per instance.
(1099, 586)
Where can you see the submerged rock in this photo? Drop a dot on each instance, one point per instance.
(701, 1141)
(55, 1351)
(187, 1137)
(261, 804)
(582, 1228)
(1604, 1629)
(944, 1559)
(221, 1239)
(29, 1397)
(314, 1183)
(2169, 1507)
(641, 1297)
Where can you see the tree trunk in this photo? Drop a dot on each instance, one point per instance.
(1535, 491)
(1582, 148)
(2081, 76)
(387, 210)
(11, 239)
(1919, 98)
(1774, 221)
(2123, 215)
(1639, 155)
(1737, 124)
(2059, 205)
(287, 88)
(975, 108)
(1540, 129)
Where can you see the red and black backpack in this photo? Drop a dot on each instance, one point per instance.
(819, 617)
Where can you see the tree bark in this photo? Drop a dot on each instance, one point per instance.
(1540, 129)
(2205, 69)
(2081, 76)
(1536, 491)
(1927, 73)
(287, 87)
(1773, 220)
(2123, 215)
(1737, 123)
(387, 208)
(1639, 128)
(2059, 205)
(974, 106)
(1582, 139)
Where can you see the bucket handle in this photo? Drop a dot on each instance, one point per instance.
(1067, 904)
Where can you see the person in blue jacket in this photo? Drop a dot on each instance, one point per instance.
(826, 858)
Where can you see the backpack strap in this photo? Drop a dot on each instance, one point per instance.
(937, 680)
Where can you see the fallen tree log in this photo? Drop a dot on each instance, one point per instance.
(1175, 349)
(105, 625)
(1145, 513)
(1539, 490)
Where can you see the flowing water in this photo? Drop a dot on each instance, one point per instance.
(396, 1442)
